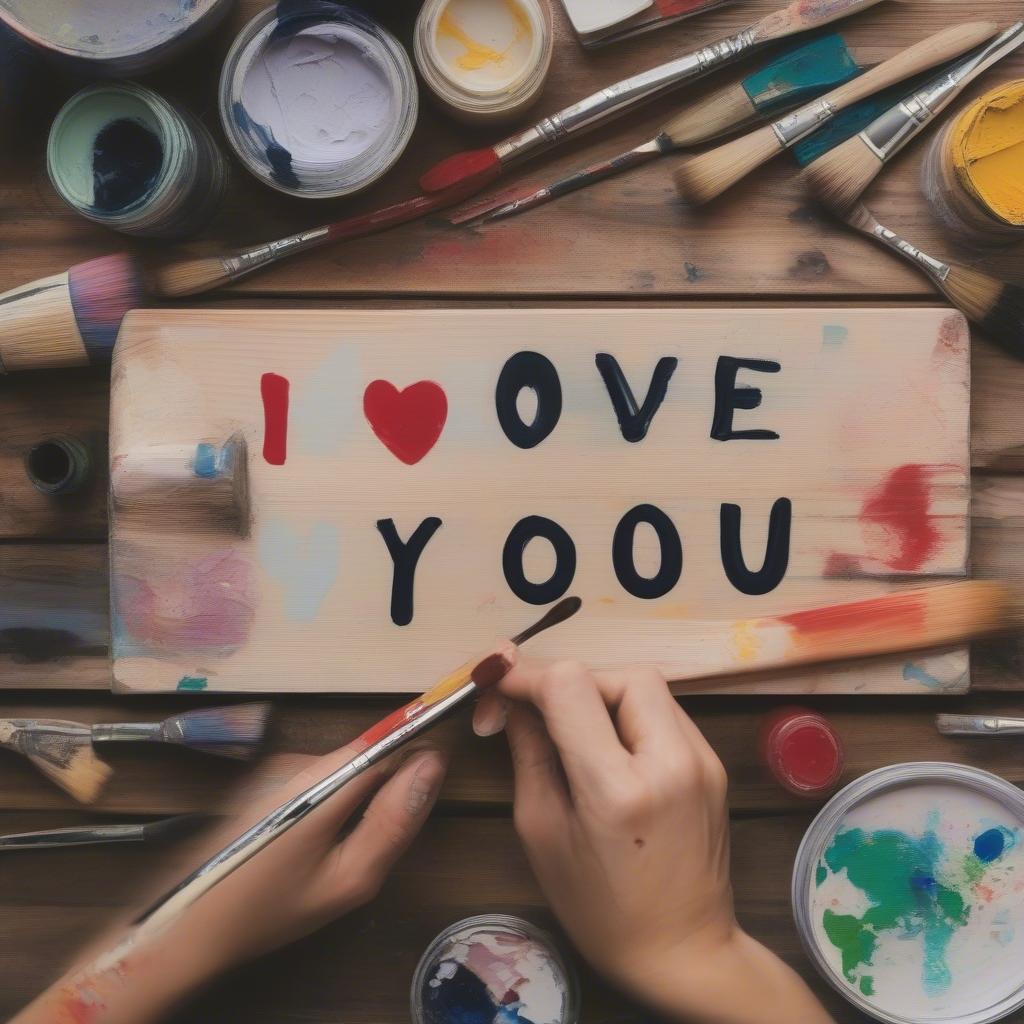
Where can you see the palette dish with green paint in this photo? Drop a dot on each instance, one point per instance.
(908, 893)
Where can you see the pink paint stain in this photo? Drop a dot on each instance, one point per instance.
(984, 893)
(209, 607)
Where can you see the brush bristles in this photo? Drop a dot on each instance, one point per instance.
(78, 772)
(725, 110)
(838, 178)
(190, 277)
(703, 178)
(997, 307)
(103, 290)
(230, 732)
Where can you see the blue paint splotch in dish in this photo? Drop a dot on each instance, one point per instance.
(493, 969)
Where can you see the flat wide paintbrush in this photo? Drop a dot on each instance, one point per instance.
(377, 743)
(64, 751)
(800, 74)
(903, 621)
(702, 178)
(482, 166)
(997, 307)
(840, 176)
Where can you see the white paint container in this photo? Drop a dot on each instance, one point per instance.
(125, 157)
(319, 102)
(907, 895)
(484, 60)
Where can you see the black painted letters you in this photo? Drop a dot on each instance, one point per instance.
(406, 556)
(776, 559)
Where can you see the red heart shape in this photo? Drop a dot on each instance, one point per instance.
(408, 422)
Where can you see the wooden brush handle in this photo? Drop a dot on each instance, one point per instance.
(937, 49)
(38, 329)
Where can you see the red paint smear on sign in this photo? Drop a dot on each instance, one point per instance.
(901, 506)
(274, 391)
(408, 422)
(904, 612)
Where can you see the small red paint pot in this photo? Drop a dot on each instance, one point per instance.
(802, 752)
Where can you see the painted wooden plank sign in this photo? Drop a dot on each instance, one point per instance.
(356, 501)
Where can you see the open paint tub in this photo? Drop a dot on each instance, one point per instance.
(493, 967)
(908, 893)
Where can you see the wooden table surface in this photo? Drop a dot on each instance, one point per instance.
(626, 240)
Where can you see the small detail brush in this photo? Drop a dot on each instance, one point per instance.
(377, 743)
(705, 177)
(979, 725)
(484, 165)
(801, 74)
(235, 731)
(839, 177)
(69, 319)
(164, 830)
(997, 307)
(62, 751)
(906, 620)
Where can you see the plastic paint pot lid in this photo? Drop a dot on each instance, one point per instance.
(802, 751)
(494, 967)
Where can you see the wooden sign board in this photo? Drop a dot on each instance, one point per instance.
(358, 501)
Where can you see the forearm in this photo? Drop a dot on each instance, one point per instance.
(127, 984)
(742, 983)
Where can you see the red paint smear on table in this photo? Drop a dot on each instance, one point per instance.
(408, 422)
(901, 506)
(904, 612)
(670, 8)
(274, 391)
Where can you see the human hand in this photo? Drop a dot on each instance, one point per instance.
(621, 805)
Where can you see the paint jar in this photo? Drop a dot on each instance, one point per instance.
(973, 174)
(123, 156)
(494, 967)
(906, 894)
(59, 465)
(319, 101)
(113, 37)
(802, 752)
(484, 60)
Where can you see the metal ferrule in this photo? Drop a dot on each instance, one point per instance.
(978, 725)
(73, 837)
(935, 268)
(888, 134)
(241, 263)
(615, 99)
(129, 732)
(280, 820)
(801, 123)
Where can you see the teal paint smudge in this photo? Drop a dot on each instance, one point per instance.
(801, 75)
(192, 684)
(306, 568)
(915, 674)
(820, 875)
(834, 335)
(908, 881)
(853, 120)
(204, 463)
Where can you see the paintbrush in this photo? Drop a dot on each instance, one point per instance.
(64, 752)
(979, 725)
(997, 307)
(839, 177)
(375, 744)
(906, 620)
(701, 178)
(166, 829)
(485, 165)
(72, 319)
(801, 74)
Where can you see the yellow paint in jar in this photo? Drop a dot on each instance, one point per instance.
(486, 44)
(987, 143)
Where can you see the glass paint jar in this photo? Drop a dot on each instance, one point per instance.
(484, 60)
(125, 157)
(319, 101)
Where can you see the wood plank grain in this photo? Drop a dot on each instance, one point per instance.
(659, 249)
(358, 970)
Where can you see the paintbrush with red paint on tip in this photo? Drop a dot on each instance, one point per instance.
(482, 166)
(374, 745)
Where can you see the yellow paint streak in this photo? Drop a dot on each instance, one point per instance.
(988, 151)
(447, 686)
(745, 641)
(478, 54)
